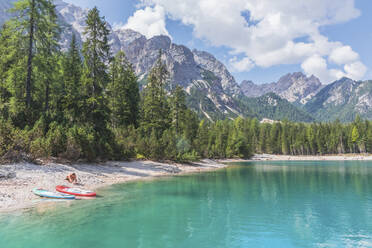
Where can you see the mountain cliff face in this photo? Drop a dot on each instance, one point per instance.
(295, 87)
(344, 100)
(208, 62)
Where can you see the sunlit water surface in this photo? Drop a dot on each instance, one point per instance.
(263, 204)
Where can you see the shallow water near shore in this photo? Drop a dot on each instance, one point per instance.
(253, 204)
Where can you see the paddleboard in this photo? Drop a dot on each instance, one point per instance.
(75, 191)
(49, 194)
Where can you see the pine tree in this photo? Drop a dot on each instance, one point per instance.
(221, 130)
(169, 142)
(123, 92)
(355, 137)
(48, 55)
(31, 19)
(28, 78)
(284, 138)
(237, 144)
(263, 138)
(155, 108)
(155, 146)
(254, 131)
(95, 78)
(72, 72)
(10, 55)
(311, 137)
(369, 139)
(275, 138)
(189, 125)
(202, 138)
(96, 53)
(178, 108)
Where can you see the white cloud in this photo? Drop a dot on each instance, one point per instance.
(291, 53)
(149, 21)
(118, 25)
(317, 65)
(278, 32)
(343, 55)
(355, 70)
(244, 64)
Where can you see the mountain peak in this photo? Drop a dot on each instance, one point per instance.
(128, 32)
(295, 87)
(298, 74)
(127, 36)
(343, 82)
(158, 42)
(345, 79)
(293, 75)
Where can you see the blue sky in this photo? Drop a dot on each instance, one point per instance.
(328, 38)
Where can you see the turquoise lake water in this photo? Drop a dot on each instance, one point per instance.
(263, 204)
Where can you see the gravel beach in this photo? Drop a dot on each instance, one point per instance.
(18, 180)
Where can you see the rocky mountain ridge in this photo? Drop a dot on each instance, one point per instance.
(343, 99)
(294, 87)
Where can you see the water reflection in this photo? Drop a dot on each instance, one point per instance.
(266, 204)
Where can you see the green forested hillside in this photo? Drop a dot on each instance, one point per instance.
(273, 107)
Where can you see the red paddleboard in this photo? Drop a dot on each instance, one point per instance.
(75, 191)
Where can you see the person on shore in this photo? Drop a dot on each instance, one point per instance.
(72, 178)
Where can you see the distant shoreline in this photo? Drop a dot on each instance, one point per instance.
(15, 193)
(336, 157)
(332, 157)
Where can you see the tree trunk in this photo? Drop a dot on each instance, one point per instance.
(47, 96)
(30, 55)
